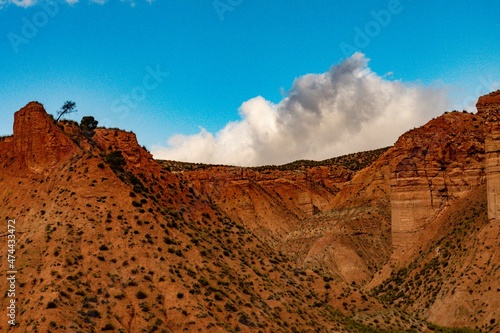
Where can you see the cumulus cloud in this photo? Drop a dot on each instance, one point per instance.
(29, 3)
(347, 109)
(19, 3)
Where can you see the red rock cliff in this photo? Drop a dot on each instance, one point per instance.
(38, 143)
(111, 139)
(430, 167)
(489, 109)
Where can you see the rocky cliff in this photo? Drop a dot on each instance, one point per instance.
(114, 240)
(108, 240)
(430, 167)
(489, 109)
(270, 202)
(111, 140)
(37, 144)
(393, 212)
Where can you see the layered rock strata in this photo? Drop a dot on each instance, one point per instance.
(489, 109)
(430, 167)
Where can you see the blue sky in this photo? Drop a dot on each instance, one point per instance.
(210, 57)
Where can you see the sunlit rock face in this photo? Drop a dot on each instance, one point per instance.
(432, 166)
(38, 143)
(489, 109)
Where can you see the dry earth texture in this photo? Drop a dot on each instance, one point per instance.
(404, 238)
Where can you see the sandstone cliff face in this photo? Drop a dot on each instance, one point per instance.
(38, 144)
(328, 218)
(430, 167)
(489, 109)
(235, 225)
(95, 253)
(110, 139)
(270, 202)
(454, 280)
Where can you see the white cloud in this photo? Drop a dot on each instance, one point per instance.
(29, 3)
(347, 109)
(19, 3)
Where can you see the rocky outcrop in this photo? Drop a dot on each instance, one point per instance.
(111, 139)
(489, 109)
(38, 143)
(331, 228)
(270, 202)
(430, 167)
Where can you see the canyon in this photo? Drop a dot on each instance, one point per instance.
(110, 239)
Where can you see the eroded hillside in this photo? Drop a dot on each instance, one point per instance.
(108, 239)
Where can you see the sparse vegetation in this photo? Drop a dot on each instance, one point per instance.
(150, 250)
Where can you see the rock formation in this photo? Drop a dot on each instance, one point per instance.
(489, 109)
(142, 246)
(270, 202)
(38, 144)
(112, 139)
(430, 167)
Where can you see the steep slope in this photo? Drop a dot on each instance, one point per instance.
(349, 223)
(489, 109)
(107, 240)
(270, 202)
(309, 211)
(453, 278)
(433, 166)
(382, 218)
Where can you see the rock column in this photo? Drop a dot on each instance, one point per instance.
(489, 109)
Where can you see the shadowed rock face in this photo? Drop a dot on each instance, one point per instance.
(489, 109)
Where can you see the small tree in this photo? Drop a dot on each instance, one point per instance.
(68, 107)
(115, 160)
(88, 125)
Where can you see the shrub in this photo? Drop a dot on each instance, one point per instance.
(230, 307)
(108, 327)
(88, 125)
(115, 160)
(245, 320)
(94, 314)
(51, 305)
(141, 295)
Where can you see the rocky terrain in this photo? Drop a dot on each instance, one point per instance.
(108, 239)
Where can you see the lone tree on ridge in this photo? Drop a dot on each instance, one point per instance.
(68, 107)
